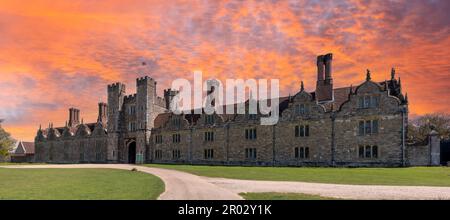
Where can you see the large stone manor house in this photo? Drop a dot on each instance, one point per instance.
(362, 125)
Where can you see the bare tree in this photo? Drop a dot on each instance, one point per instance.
(419, 128)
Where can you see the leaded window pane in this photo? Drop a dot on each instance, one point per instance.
(361, 128)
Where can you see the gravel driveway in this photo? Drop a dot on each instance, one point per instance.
(185, 186)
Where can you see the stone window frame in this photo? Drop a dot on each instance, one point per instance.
(209, 136)
(158, 139)
(301, 153)
(132, 126)
(367, 151)
(131, 110)
(176, 122)
(250, 134)
(302, 109)
(176, 154)
(176, 138)
(98, 150)
(251, 153)
(368, 127)
(158, 154)
(368, 101)
(302, 130)
(208, 154)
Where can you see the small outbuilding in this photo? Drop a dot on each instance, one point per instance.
(24, 152)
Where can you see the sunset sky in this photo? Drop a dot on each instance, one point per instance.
(59, 54)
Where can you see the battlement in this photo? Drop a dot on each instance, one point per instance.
(170, 92)
(130, 97)
(116, 86)
(145, 80)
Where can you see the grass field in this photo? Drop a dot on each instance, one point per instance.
(15, 164)
(282, 196)
(411, 176)
(85, 184)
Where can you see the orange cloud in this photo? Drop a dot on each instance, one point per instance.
(54, 55)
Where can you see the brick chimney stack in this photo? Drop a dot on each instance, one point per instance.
(328, 61)
(324, 86)
(320, 68)
(74, 117)
(102, 109)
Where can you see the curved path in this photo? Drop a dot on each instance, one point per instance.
(185, 186)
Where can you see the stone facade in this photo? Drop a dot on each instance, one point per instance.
(363, 125)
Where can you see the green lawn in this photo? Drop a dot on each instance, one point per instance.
(85, 184)
(15, 164)
(282, 196)
(411, 176)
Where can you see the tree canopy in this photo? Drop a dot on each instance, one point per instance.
(420, 127)
(6, 142)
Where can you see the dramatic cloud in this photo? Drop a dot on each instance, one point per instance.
(58, 54)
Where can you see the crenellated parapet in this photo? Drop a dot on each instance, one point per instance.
(118, 86)
(145, 81)
(130, 98)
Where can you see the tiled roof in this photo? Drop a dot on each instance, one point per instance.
(341, 95)
(24, 148)
(161, 119)
(29, 147)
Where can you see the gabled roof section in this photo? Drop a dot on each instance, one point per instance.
(24, 148)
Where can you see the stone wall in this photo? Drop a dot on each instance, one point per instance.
(418, 155)
(425, 154)
(76, 149)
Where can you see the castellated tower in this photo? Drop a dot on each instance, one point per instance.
(145, 100)
(116, 94)
(145, 112)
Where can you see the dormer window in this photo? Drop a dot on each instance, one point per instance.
(369, 101)
(302, 109)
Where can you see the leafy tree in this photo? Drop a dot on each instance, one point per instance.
(419, 128)
(6, 142)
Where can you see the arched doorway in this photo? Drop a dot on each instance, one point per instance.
(132, 152)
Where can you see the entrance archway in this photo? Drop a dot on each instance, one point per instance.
(132, 152)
